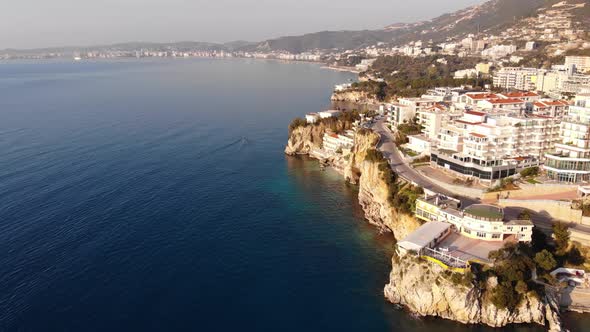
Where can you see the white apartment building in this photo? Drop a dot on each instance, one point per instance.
(527, 96)
(333, 143)
(570, 162)
(516, 78)
(494, 146)
(582, 63)
(551, 108)
(479, 221)
(499, 51)
(511, 104)
(431, 120)
(406, 109)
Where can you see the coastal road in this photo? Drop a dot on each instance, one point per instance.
(392, 154)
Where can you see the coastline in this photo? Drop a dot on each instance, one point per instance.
(436, 296)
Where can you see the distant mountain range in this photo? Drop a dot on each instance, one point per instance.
(488, 16)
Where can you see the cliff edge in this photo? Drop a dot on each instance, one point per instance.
(429, 290)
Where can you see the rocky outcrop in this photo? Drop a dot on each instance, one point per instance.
(426, 290)
(419, 286)
(373, 190)
(303, 139)
(353, 96)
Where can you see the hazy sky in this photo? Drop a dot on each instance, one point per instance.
(41, 23)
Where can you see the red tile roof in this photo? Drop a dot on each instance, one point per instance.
(481, 96)
(475, 113)
(477, 135)
(506, 101)
(467, 122)
(520, 94)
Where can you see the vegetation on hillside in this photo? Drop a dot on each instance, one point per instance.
(405, 76)
(402, 196)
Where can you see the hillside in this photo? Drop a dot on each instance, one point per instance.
(492, 15)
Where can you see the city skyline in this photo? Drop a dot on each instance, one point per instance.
(34, 24)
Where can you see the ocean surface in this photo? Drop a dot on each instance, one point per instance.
(154, 195)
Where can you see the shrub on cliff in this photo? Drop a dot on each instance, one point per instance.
(512, 266)
(375, 156)
(561, 235)
(545, 260)
(296, 123)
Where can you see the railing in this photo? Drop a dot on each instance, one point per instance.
(446, 259)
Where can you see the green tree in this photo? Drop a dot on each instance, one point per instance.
(545, 260)
(561, 234)
(539, 241)
(504, 296)
(521, 287)
(524, 215)
(297, 122)
(575, 257)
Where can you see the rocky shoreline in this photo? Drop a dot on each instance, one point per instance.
(421, 287)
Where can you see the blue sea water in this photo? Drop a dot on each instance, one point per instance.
(154, 195)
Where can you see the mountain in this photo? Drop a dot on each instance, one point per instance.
(488, 16)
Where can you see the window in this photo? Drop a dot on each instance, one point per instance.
(481, 234)
(495, 236)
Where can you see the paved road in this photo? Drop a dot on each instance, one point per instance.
(391, 153)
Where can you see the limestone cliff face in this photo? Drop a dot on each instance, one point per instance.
(373, 191)
(303, 139)
(374, 198)
(354, 97)
(423, 289)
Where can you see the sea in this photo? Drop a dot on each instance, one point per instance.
(154, 195)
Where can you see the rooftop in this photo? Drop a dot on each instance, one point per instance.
(485, 211)
(421, 237)
(520, 223)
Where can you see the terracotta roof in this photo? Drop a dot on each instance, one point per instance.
(481, 96)
(467, 122)
(520, 94)
(475, 113)
(477, 135)
(506, 101)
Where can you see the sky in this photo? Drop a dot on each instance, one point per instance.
(47, 23)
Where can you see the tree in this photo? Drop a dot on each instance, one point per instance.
(297, 122)
(539, 241)
(561, 234)
(545, 260)
(575, 257)
(504, 296)
(524, 215)
(521, 287)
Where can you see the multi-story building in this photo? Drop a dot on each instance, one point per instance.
(550, 107)
(406, 108)
(516, 78)
(512, 104)
(570, 162)
(479, 221)
(334, 143)
(582, 63)
(493, 146)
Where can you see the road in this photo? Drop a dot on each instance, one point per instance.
(391, 153)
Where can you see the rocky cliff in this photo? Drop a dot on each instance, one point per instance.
(303, 139)
(374, 192)
(352, 96)
(423, 287)
(426, 289)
